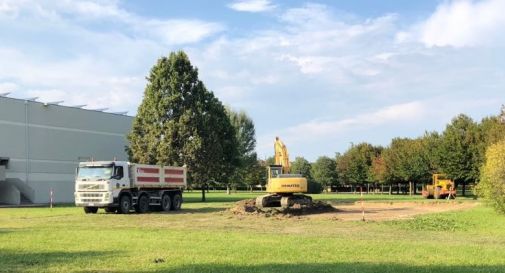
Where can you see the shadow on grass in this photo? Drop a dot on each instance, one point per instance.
(217, 199)
(40, 261)
(330, 267)
(195, 210)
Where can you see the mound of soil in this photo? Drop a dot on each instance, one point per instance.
(248, 206)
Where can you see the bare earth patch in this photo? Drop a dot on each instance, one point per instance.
(374, 211)
(392, 210)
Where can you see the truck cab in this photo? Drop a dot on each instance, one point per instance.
(98, 183)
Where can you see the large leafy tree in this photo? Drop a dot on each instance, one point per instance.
(459, 155)
(407, 161)
(180, 122)
(354, 166)
(324, 171)
(247, 161)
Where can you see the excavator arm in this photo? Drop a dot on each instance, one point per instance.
(281, 156)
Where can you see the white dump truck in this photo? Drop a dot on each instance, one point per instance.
(119, 186)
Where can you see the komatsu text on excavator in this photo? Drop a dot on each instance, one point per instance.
(283, 186)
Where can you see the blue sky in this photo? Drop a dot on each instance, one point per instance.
(319, 74)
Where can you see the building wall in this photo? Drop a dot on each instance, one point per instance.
(44, 144)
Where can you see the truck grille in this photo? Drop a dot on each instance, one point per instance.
(91, 187)
(91, 197)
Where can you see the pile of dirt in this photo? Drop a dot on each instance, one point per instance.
(248, 206)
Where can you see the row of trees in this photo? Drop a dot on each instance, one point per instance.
(459, 151)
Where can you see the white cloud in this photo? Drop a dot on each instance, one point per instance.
(181, 31)
(410, 111)
(8, 87)
(173, 31)
(252, 5)
(461, 24)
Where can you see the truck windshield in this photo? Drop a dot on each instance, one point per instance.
(94, 172)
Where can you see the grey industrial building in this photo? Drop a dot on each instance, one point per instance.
(42, 143)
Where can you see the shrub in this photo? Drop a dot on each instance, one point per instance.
(492, 178)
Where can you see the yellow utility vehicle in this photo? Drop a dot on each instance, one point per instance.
(282, 185)
(442, 187)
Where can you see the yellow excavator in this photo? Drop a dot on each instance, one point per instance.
(282, 187)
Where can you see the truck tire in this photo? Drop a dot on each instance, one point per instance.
(166, 203)
(88, 210)
(176, 202)
(143, 204)
(125, 204)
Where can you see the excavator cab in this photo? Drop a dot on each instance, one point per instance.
(274, 171)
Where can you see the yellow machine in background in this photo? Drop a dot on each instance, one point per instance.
(282, 185)
(442, 187)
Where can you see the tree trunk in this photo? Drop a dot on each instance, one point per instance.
(390, 189)
(203, 193)
(367, 188)
(227, 189)
(398, 188)
(415, 188)
(410, 188)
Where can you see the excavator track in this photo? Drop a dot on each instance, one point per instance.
(283, 201)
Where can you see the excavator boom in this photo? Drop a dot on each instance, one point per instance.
(281, 156)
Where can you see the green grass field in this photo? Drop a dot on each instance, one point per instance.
(205, 238)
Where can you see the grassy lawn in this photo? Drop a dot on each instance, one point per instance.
(204, 238)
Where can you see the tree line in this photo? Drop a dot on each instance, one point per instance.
(459, 151)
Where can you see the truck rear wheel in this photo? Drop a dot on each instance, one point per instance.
(143, 204)
(166, 203)
(125, 204)
(176, 202)
(90, 209)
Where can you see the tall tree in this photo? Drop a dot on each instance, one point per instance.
(460, 157)
(324, 172)
(180, 122)
(247, 160)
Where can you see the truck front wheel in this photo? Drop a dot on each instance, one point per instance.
(125, 204)
(90, 209)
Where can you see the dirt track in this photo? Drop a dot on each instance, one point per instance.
(374, 211)
(392, 210)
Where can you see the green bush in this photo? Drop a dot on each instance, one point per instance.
(492, 177)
